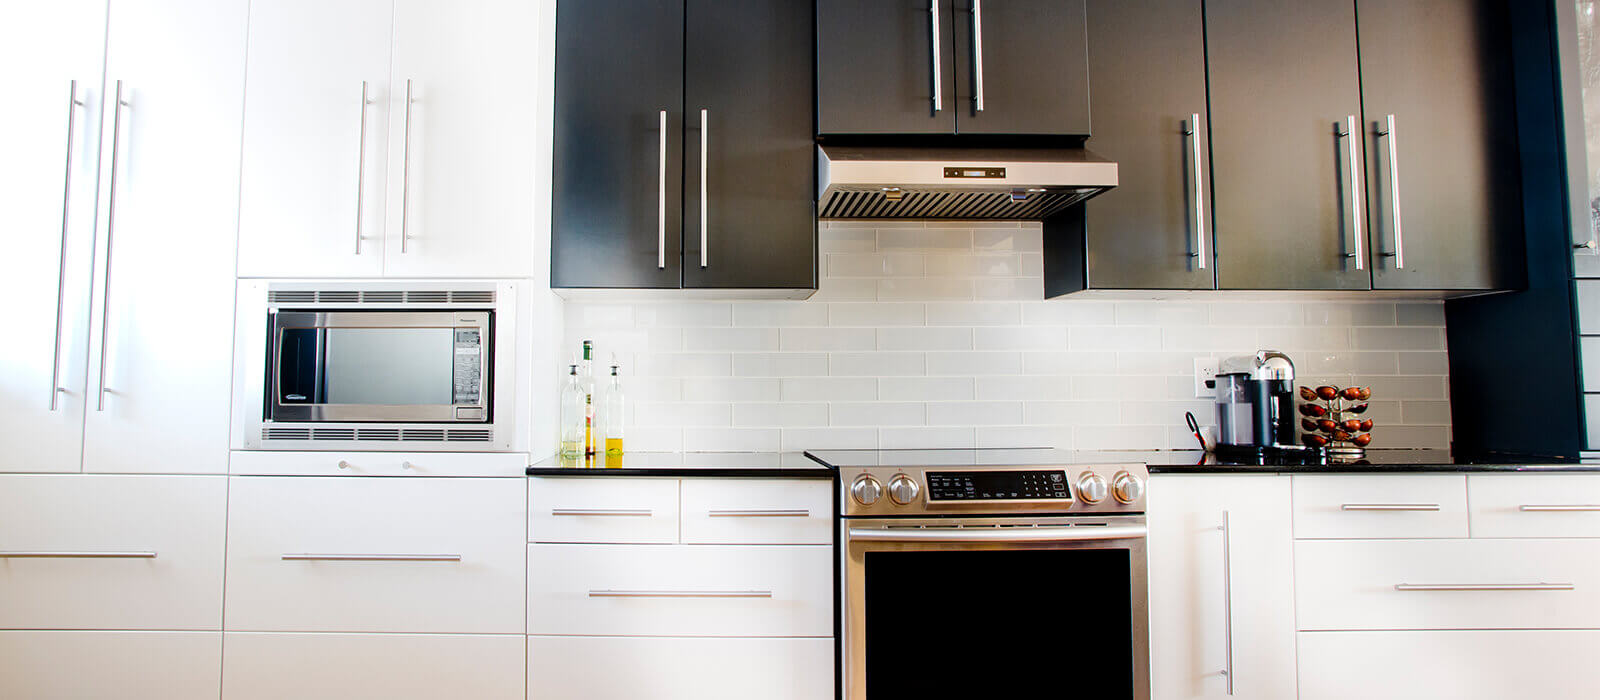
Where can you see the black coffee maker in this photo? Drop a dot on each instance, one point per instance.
(1255, 405)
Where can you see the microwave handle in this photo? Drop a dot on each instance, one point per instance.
(1020, 534)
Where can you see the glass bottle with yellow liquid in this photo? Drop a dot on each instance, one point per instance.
(612, 413)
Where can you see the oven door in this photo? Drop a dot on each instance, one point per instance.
(379, 366)
(996, 608)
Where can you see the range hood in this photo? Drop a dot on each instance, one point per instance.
(904, 182)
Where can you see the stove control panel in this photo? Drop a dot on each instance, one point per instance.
(959, 489)
(1033, 485)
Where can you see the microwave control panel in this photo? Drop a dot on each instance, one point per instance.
(468, 367)
(1019, 485)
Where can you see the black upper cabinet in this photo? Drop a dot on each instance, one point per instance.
(909, 67)
(619, 67)
(1441, 70)
(748, 80)
(628, 214)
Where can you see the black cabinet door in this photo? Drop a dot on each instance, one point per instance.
(878, 62)
(1439, 69)
(1021, 67)
(1150, 232)
(1284, 89)
(619, 69)
(749, 212)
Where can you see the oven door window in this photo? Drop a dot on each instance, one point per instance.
(999, 623)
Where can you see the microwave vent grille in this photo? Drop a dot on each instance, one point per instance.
(380, 434)
(382, 297)
(425, 435)
(427, 297)
(390, 296)
(470, 435)
(473, 296)
(292, 297)
(286, 433)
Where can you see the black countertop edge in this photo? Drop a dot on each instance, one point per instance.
(1373, 469)
(818, 472)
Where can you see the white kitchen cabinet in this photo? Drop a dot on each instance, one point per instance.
(443, 175)
(1221, 573)
(1455, 665)
(268, 666)
(603, 510)
(50, 60)
(1535, 505)
(666, 668)
(757, 511)
(406, 464)
(1337, 506)
(59, 665)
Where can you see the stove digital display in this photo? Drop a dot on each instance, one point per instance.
(997, 486)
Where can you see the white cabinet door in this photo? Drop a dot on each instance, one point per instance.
(1460, 665)
(50, 52)
(163, 342)
(1377, 506)
(757, 511)
(609, 510)
(389, 666)
(1534, 505)
(666, 668)
(56, 665)
(314, 157)
(1200, 573)
(462, 170)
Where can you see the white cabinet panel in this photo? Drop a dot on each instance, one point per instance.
(60, 665)
(266, 666)
(306, 169)
(1534, 505)
(1379, 506)
(1589, 355)
(1462, 665)
(687, 590)
(621, 668)
(49, 230)
(411, 464)
(168, 531)
(382, 555)
(168, 223)
(1195, 578)
(1591, 413)
(1352, 585)
(618, 510)
(757, 511)
(1588, 306)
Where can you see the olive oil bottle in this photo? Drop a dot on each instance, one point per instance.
(612, 414)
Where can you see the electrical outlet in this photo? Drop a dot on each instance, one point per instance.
(1205, 369)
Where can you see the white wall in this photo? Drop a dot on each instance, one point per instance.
(934, 335)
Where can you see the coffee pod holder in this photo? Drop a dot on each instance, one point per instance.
(1336, 424)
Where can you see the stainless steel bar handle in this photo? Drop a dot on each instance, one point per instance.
(705, 116)
(1199, 192)
(1560, 508)
(679, 594)
(1399, 253)
(1484, 587)
(371, 557)
(603, 512)
(1392, 507)
(405, 176)
(1036, 534)
(77, 555)
(933, 42)
(977, 50)
(1356, 193)
(661, 206)
(73, 103)
(111, 223)
(796, 513)
(1227, 600)
(361, 164)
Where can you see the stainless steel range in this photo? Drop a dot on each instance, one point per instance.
(991, 573)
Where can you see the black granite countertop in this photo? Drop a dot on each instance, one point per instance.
(1199, 462)
(707, 464)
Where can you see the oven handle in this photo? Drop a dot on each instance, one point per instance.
(1033, 534)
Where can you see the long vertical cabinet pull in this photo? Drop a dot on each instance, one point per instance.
(405, 175)
(977, 51)
(661, 204)
(361, 164)
(111, 224)
(1356, 193)
(1399, 253)
(1227, 601)
(933, 43)
(1199, 193)
(73, 103)
(705, 116)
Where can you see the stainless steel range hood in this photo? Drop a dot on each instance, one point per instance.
(900, 182)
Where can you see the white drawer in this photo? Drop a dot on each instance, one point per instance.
(56, 665)
(375, 555)
(1334, 506)
(1589, 355)
(1458, 665)
(269, 666)
(111, 552)
(1447, 584)
(1534, 505)
(603, 509)
(678, 668)
(1588, 306)
(1591, 414)
(757, 511)
(684, 590)
(377, 464)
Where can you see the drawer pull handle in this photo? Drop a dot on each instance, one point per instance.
(1484, 587)
(372, 557)
(1559, 509)
(77, 555)
(1407, 507)
(796, 513)
(679, 594)
(619, 512)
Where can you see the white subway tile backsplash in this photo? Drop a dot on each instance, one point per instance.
(973, 364)
(1058, 362)
(780, 414)
(1425, 412)
(936, 438)
(843, 289)
(925, 338)
(1025, 388)
(1069, 312)
(784, 364)
(730, 389)
(833, 339)
(1430, 314)
(672, 364)
(925, 239)
(1024, 436)
(731, 339)
(925, 289)
(684, 315)
(1018, 288)
(876, 315)
(673, 414)
(1398, 338)
(876, 364)
(829, 439)
(926, 388)
(975, 413)
(780, 314)
(1351, 314)
(848, 414)
(993, 240)
(731, 439)
(875, 265)
(1068, 413)
(1115, 338)
(828, 389)
(973, 265)
(974, 314)
(1422, 363)
(847, 240)
(1161, 313)
(1021, 338)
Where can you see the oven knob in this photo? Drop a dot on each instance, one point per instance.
(866, 490)
(1127, 488)
(1091, 488)
(903, 490)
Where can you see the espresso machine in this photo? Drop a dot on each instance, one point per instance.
(1255, 405)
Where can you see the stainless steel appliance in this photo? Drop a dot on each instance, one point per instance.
(901, 182)
(991, 573)
(1255, 403)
